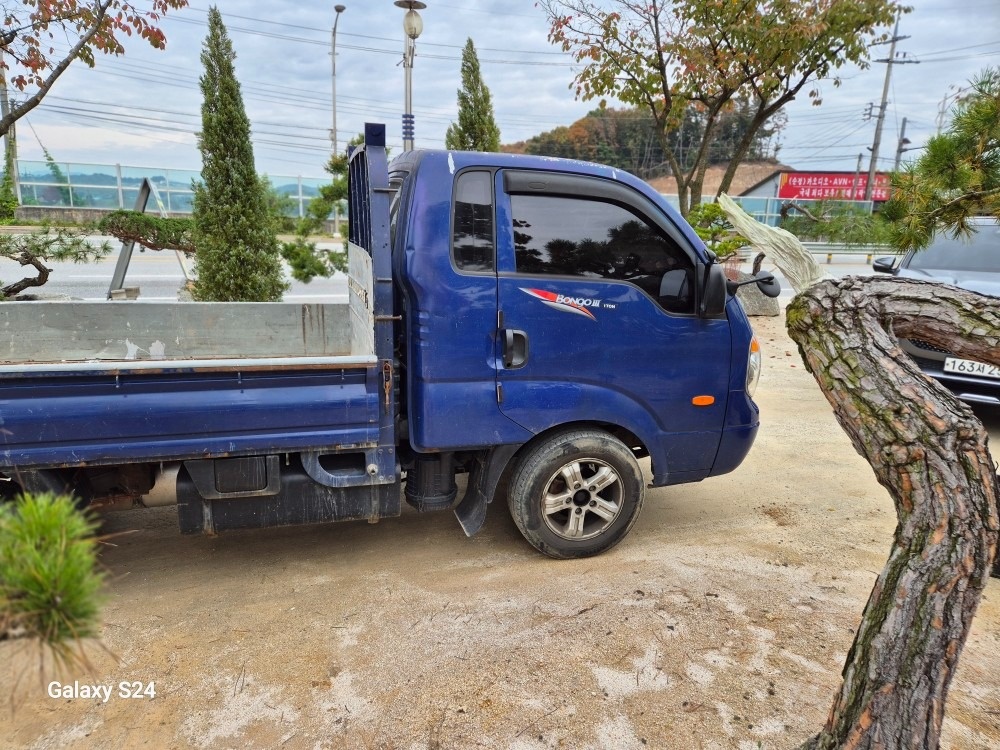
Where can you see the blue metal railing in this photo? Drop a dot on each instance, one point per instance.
(113, 186)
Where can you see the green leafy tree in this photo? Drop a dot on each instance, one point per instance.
(840, 222)
(476, 129)
(237, 256)
(152, 232)
(281, 206)
(958, 174)
(32, 63)
(672, 57)
(8, 198)
(58, 177)
(710, 223)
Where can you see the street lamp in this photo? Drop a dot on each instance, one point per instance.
(333, 56)
(413, 24)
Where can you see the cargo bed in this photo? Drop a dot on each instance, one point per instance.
(107, 382)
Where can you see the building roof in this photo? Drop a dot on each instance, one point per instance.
(749, 175)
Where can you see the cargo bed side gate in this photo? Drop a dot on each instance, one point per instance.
(371, 293)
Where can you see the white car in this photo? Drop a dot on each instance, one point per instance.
(969, 264)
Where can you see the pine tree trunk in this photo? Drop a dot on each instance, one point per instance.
(930, 452)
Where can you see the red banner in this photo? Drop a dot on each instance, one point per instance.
(843, 186)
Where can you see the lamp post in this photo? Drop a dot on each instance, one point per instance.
(413, 24)
(333, 56)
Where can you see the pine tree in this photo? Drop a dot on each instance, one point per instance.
(305, 260)
(958, 174)
(237, 256)
(476, 129)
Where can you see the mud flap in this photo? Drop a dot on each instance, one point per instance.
(483, 481)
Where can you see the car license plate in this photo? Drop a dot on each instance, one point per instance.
(968, 367)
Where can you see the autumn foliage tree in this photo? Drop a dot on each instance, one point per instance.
(673, 56)
(34, 31)
(628, 138)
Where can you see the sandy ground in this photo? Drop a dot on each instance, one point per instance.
(721, 622)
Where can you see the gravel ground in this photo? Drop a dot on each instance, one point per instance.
(722, 621)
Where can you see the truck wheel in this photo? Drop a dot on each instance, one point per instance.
(576, 494)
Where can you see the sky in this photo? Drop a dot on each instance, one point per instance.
(143, 108)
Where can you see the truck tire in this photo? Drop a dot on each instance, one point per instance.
(576, 494)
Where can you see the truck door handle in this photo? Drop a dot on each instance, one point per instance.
(515, 348)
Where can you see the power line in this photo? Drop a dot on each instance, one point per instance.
(379, 50)
(390, 39)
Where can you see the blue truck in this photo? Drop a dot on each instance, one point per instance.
(516, 322)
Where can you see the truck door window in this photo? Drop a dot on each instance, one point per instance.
(396, 184)
(472, 245)
(569, 236)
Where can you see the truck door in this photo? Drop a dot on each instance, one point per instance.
(596, 296)
(450, 278)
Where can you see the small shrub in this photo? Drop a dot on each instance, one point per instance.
(8, 199)
(710, 222)
(49, 580)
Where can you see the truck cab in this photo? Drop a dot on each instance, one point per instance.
(542, 297)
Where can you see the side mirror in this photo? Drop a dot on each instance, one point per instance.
(765, 281)
(712, 301)
(767, 284)
(884, 265)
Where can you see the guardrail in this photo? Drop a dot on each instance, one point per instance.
(830, 249)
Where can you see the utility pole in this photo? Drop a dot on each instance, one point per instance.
(857, 175)
(903, 142)
(951, 96)
(890, 61)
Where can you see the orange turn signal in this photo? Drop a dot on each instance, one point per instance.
(703, 400)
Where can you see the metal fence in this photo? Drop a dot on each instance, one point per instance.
(768, 210)
(112, 186)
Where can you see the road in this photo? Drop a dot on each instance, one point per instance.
(159, 277)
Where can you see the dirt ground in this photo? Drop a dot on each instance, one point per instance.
(721, 622)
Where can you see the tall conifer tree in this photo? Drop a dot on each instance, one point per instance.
(237, 256)
(476, 129)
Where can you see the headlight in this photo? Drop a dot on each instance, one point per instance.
(753, 366)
